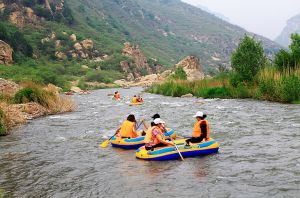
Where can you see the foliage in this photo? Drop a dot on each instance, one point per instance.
(248, 58)
(2, 123)
(32, 94)
(179, 74)
(103, 76)
(289, 59)
(16, 40)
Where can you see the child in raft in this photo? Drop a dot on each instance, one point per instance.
(140, 99)
(128, 128)
(201, 129)
(117, 96)
(154, 136)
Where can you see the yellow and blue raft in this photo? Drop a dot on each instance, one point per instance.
(134, 143)
(170, 153)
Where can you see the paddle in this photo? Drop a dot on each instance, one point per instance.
(106, 142)
(175, 146)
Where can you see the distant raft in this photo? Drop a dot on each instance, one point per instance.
(134, 143)
(170, 153)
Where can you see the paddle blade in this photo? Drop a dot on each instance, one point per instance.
(104, 144)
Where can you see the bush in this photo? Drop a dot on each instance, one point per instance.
(33, 94)
(248, 58)
(179, 74)
(2, 123)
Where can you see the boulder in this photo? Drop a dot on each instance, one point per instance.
(87, 44)
(2, 6)
(73, 37)
(85, 67)
(77, 46)
(166, 74)
(17, 18)
(61, 55)
(5, 53)
(8, 88)
(75, 89)
(187, 95)
(57, 44)
(192, 68)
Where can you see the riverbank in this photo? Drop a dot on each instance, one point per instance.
(26, 101)
(270, 84)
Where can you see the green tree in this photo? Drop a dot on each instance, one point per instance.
(248, 58)
(295, 49)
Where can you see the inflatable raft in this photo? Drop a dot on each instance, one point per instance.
(134, 143)
(170, 153)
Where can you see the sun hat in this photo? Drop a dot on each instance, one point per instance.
(199, 114)
(158, 121)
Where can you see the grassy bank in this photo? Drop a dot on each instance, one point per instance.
(269, 84)
(30, 101)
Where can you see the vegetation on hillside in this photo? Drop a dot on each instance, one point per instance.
(252, 77)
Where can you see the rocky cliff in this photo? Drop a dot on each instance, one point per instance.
(139, 65)
(191, 66)
(292, 26)
(5, 53)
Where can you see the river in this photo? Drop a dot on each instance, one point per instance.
(59, 155)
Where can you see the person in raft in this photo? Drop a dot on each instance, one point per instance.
(201, 129)
(134, 99)
(152, 123)
(117, 96)
(154, 136)
(128, 128)
(140, 99)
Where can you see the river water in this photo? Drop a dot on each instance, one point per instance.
(59, 155)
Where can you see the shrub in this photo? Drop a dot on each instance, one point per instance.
(2, 123)
(179, 74)
(33, 94)
(248, 58)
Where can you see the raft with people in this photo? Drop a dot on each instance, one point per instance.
(170, 152)
(135, 143)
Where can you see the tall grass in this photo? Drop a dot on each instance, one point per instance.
(270, 84)
(281, 86)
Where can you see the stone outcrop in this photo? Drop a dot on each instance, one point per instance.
(192, 68)
(87, 44)
(8, 88)
(139, 66)
(5, 53)
(73, 37)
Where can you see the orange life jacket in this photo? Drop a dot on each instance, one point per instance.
(155, 140)
(197, 130)
(127, 129)
(148, 135)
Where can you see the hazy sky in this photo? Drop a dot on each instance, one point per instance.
(264, 17)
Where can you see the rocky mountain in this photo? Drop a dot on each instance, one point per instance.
(292, 26)
(92, 33)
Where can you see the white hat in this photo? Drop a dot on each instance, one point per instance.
(158, 121)
(198, 114)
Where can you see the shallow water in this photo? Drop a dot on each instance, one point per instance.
(59, 155)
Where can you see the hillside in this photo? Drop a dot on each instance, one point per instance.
(83, 39)
(292, 26)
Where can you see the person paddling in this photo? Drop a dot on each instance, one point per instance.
(201, 129)
(154, 136)
(128, 128)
